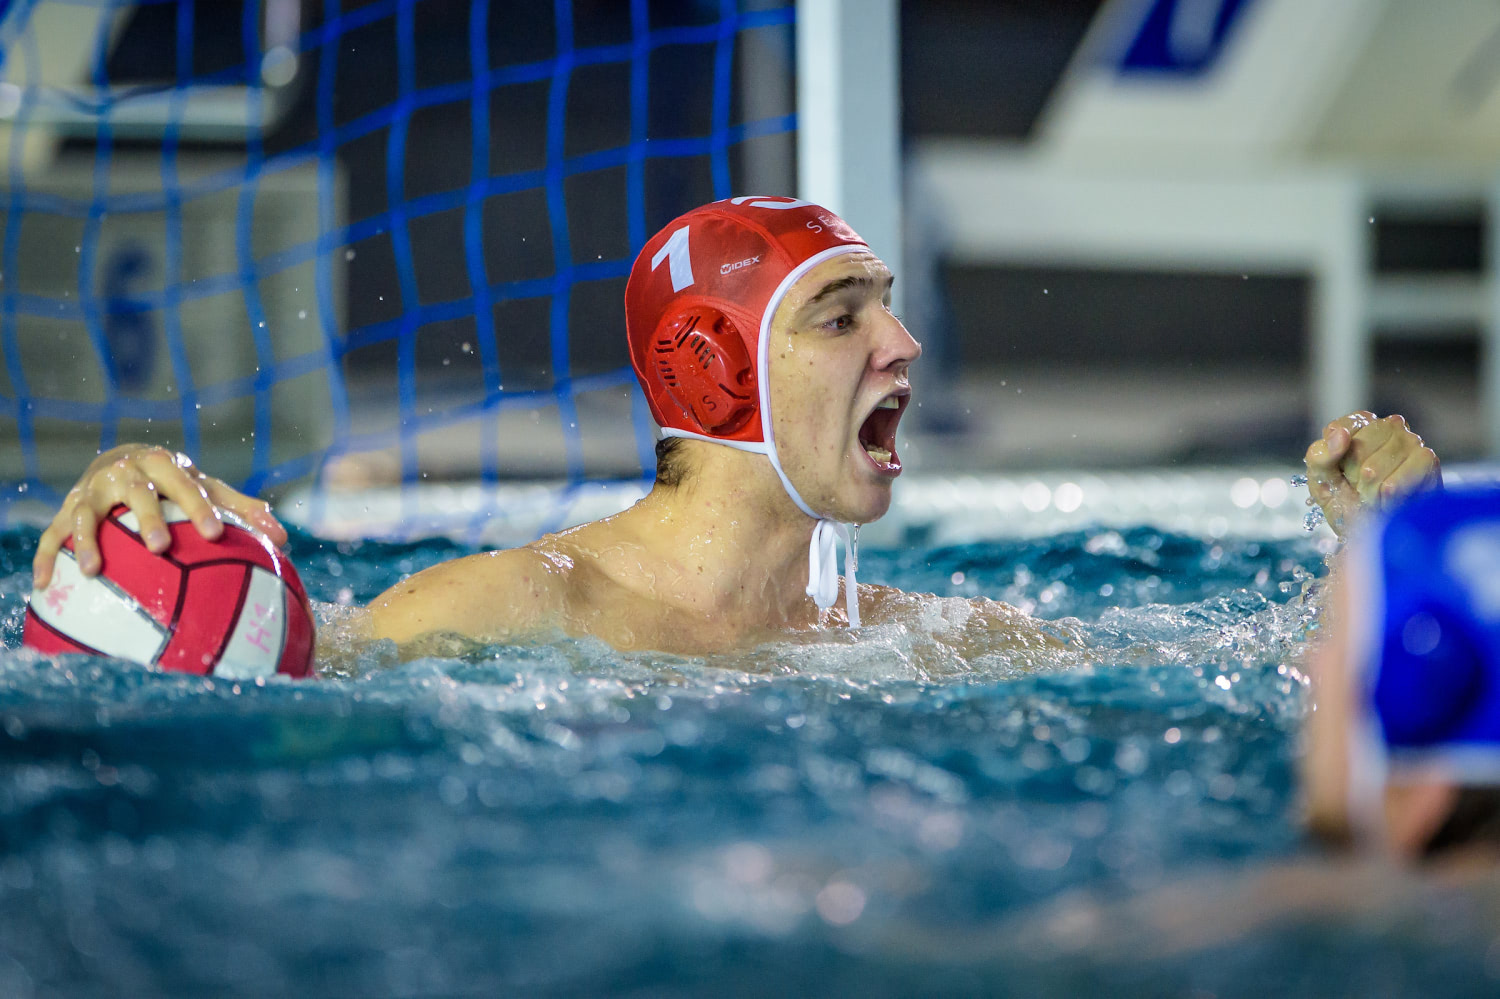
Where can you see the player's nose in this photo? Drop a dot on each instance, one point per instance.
(895, 347)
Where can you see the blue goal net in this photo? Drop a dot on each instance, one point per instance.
(356, 244)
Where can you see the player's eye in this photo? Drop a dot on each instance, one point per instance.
(841, 324)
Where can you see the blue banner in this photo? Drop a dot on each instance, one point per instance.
(1182, 37)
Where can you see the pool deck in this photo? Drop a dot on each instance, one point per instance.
(986, 420)
(1024, 451)
(1029, 419)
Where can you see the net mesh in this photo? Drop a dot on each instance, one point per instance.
(365, 243)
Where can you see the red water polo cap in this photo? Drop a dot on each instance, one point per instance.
(698, 311)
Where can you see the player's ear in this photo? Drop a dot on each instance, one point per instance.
(706, 369)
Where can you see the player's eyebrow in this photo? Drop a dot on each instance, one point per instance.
(850, 281)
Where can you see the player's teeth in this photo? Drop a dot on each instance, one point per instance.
(878, 453)
(889, 402)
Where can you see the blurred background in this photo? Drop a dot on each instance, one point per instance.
(1188, 231)
(363, 244)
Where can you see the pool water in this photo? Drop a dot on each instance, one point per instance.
(896, 815)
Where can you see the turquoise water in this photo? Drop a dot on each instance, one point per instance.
(882, 817)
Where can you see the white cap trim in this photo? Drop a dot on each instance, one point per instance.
(1475, 764)
(763, 354)
(822, 576)
(822, 552)
(754, 447)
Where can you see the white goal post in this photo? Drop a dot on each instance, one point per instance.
(849, 118)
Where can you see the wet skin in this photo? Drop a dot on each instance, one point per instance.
(1396, 819)
(720, 561)
(836, 354)
(1362, 461)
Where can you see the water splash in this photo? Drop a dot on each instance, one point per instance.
(616, 813)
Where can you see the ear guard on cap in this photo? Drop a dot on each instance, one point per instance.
(706, 368)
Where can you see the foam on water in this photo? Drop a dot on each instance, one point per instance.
(820, 814)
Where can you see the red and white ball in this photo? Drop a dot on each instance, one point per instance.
(233, 607)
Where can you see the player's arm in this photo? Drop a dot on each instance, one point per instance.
(975, 625)
(1364, 461)
(141, 476)
(496, 596)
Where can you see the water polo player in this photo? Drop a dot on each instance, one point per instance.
(761, 332)
(1404, 748)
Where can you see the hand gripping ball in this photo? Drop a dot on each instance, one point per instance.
(233, 607)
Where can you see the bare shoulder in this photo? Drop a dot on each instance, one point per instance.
(495, 596)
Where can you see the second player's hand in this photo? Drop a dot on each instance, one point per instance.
(1364, 461)
(142, 477)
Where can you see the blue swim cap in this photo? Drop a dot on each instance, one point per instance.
(1432, 652)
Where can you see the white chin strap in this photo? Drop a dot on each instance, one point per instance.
(822, 564)
(822, 553)
(822, 567)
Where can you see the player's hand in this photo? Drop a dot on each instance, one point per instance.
(1365, 461)
(141, 477)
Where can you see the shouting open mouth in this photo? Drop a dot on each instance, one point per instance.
(877, 435)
